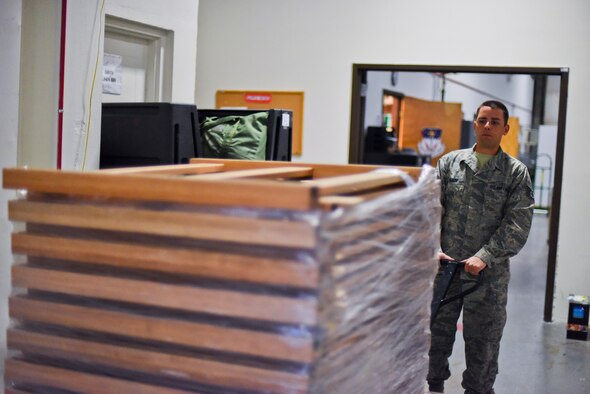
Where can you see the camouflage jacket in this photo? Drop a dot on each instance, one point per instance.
(486, 213)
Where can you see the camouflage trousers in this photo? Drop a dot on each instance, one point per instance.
(484, 317)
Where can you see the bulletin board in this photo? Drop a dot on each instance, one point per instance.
(253, 99)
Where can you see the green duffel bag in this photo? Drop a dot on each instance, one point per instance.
(235, 137)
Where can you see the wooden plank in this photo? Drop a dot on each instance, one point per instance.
(12, 390)
(329, 203)
(217, 302)
(173, 169)
(24, 372)
(166, 329)
(332, 202)
(159, 362)
(272, 173)
(383, 240)
(276, 271)
(414, 172)
(366, 250)
(354, 182)
(241, 193)
(195, 225)
(319, 170)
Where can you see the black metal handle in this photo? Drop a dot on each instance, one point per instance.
(465, 292)
(444, 284)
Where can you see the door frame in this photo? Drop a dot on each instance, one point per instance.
(357, 113)
(160, 44)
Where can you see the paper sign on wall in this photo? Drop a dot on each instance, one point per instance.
(111, 74)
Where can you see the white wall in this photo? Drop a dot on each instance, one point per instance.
(10, 36)
(82, 100)
(515, 90)
(310, 45)
(545, 166)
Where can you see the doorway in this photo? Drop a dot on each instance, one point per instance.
(137, 62)
(446, 74)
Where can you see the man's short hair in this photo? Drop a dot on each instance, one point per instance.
(494, 104)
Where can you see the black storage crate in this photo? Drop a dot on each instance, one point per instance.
(144, 134)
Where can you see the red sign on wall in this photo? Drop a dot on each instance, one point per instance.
(257, 97)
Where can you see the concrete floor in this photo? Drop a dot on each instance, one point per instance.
(535, 357)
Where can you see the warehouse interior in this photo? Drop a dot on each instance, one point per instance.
(53, 53)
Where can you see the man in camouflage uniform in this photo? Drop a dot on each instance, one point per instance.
(487, 203)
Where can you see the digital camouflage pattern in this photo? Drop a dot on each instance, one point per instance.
(486, 213)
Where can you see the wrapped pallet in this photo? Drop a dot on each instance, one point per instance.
(222, 276)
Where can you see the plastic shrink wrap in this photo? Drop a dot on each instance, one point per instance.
(162, 280)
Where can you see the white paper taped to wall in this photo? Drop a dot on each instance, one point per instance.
(111, 74)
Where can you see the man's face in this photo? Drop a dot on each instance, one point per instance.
(489, 129)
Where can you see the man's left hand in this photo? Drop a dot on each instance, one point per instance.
(474, 265)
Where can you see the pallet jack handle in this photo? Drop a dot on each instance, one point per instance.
(449, 271)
